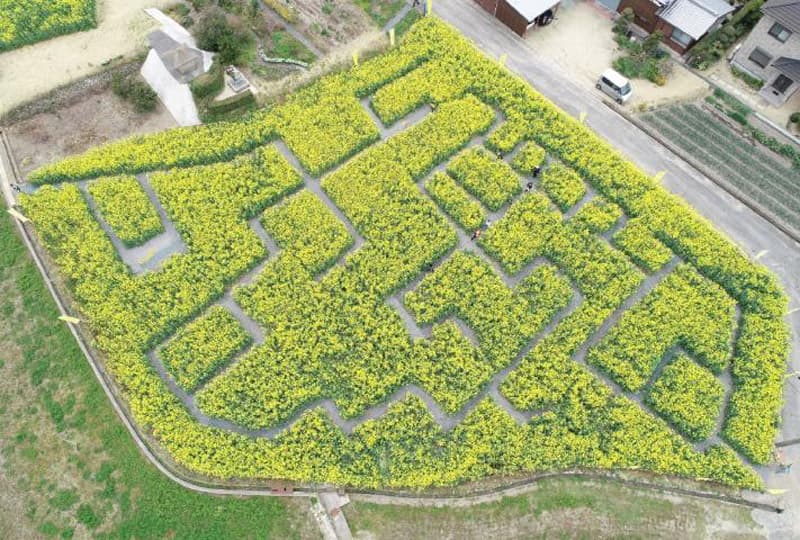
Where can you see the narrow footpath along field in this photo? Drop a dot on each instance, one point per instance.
(559, 508)
(68, 466)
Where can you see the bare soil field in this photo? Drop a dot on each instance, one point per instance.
(35, 69)
(75, 123)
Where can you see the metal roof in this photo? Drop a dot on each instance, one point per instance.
(530, 9)
(786, 12)
(695, 17)
(183, 62)
(788, 66)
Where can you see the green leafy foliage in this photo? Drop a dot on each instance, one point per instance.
(203, 346)
(454, 200)
(307, 229)
(563, 185)
(638, 243)
(529, 158)
(689, 396)
(127, 209)
(339, 336)
(485, 176)
(27, 21)
(685, 308)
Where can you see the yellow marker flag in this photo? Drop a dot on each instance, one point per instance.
(795, 310)
(147, 256)
(355, 58)
(391, 37)
(582, 117)
(68, 319)
(429, 9)
(776, 491)
(502, 59)
(760, 254)
(659, 176)
(18, 215)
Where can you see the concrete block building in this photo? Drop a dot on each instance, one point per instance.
(772, 51)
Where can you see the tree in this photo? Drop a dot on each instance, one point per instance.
(216, 33)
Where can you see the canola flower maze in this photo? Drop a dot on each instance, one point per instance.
(23, 22)
(330, 315)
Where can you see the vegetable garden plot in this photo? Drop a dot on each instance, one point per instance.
(324, 397)
(759, 175)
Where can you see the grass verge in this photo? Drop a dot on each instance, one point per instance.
(68, 462)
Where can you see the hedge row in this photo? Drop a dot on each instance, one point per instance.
(126, 208)
(338, 338)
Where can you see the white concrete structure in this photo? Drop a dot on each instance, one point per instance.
(174, 94)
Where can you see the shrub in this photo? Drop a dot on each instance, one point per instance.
(127, 209)
(689, 396)
(134, 89)
(209, 83)
(215, 32)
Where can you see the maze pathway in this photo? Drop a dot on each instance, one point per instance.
(371, 339)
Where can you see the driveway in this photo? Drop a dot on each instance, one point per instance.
(754, 234)
(584, 25)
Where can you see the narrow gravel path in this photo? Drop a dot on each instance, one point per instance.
(151, 254)
(397, 17)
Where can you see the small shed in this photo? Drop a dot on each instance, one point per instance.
(521, 15)
(181, 60)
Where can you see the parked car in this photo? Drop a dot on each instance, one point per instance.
(615, 85)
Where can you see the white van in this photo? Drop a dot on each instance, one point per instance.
(615, 85)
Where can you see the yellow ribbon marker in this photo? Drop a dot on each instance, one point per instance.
(795, 310)
(68, 319)
(659, 176)
(147, 256)
(391, 37)
(582, 117)
(502, 59)
(17, 215)
(776, 491)
(760, 254)
(355, 59)
(429, 8)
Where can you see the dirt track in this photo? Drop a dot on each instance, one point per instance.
(35, 69)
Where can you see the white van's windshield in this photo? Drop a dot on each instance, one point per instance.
(625, 90)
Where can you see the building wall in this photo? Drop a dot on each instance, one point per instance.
(511, 18)
(644, 11)
(760, 38)
(665, 28)
(488, 5)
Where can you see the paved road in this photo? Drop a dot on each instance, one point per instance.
(747, 229)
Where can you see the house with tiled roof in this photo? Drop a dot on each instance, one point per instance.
(683, 22)
(771, 52)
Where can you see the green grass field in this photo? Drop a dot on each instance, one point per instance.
(559, 508)
(67, 462)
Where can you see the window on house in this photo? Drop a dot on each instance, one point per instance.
(779, 32)
(760, 57)
(782, 83)
(681, 38)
